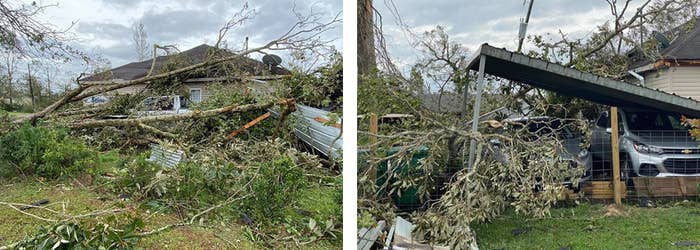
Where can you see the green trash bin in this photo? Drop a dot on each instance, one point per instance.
(408, 200)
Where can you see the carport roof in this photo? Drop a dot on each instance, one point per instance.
(572, 82)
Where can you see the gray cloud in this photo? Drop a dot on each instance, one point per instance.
(474, 22)
(104, 28)
(176, 24)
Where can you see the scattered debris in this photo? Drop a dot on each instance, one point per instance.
(519, 231)
(303, 212)
(165, 157)
(246, 220)
(124, 197)
(645, 202)
(685, 243)
(35, 204)
(369, 236)
(403, 238)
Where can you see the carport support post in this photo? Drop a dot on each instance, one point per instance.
(477, 106)
(615, 155)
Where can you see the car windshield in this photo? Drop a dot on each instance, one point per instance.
(653, 120)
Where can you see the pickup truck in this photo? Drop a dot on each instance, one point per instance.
(157, 105)
(162, 105)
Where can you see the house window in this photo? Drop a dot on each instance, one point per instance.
(196, 95)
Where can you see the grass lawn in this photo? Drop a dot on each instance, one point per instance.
(79, 200)
(586, 227)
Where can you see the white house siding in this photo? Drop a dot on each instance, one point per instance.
(659, 79)
(201, 86)
(684, 81)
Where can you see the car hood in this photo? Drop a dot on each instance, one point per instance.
(665, 139)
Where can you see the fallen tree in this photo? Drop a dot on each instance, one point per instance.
(197, 114)
(256, 172)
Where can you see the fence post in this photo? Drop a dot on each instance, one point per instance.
(615, 155)
(373, 130)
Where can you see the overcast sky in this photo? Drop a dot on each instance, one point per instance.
(496, 22)
(104, 27)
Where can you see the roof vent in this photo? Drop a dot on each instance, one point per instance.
(662, 40)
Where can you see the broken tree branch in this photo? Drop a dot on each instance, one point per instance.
(197, 114)
(247, 125)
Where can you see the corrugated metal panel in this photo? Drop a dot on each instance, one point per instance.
(165, 157)
(327, 140)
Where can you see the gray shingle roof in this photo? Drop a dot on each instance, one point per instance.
(195, 55)
(684, 47)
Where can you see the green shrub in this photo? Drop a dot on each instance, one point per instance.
(136, 175)
(44, 152)
(276, 188)
(202, 184)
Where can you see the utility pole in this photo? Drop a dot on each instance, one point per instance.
(523, 27)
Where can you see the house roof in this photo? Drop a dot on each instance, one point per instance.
(686, 46)
(194, 55)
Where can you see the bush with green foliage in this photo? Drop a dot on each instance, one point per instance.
(277, 187)
(45, 152)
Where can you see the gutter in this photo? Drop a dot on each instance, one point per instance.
(638, 76)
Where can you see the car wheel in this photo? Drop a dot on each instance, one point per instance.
(627, 172)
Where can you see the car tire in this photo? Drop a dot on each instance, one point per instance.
(627, 172)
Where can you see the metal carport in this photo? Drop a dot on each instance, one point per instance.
(568, 81)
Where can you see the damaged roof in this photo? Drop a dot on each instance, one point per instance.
(584, 85)
(686, 46)
(136, 70)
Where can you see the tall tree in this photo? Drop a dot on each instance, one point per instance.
(22, 31)
(30, 85)
(366, 59)
(10, 63)
(140, 39)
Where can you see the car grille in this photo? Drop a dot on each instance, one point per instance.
(682, 166)
(681, 151)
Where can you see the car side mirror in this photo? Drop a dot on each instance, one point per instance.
(620, 131)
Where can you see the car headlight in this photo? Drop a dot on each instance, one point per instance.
(582, 153)
(645, 149)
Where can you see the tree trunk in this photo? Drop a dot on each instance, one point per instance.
(177, 117)
(366, 59)
(31, 87)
